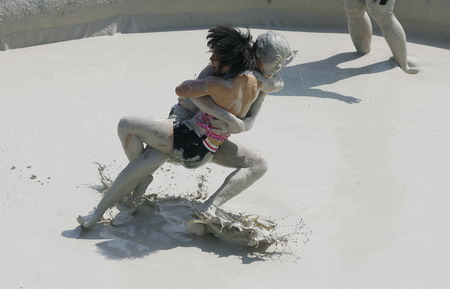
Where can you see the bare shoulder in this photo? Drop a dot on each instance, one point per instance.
(271, 85)
(248, 79)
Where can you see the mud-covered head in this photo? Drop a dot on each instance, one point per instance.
(231, 48)
(271, 50)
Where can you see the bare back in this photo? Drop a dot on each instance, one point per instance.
(238, 99)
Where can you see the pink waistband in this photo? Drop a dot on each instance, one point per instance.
(204, 121)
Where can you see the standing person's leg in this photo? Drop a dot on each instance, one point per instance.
(392, 31)
(359, 25)
(249, 164)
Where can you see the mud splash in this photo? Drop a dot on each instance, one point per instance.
(248, 230)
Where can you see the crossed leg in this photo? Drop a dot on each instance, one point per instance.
(129, 178)
(137, 175)
(132, 132)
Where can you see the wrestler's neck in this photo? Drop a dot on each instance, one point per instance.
(223, 72)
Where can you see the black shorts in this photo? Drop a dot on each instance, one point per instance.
(187, 145)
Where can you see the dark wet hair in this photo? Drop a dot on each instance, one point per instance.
(233, 47)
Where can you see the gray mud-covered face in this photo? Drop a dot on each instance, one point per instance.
(273, 66)
(272, 50)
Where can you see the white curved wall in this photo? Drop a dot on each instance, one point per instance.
(32, 22)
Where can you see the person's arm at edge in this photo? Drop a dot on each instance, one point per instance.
(273, 84)
(253, 112)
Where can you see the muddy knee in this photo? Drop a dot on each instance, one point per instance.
(259, 166)
(122, 126)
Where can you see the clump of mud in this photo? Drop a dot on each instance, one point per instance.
(250, 230)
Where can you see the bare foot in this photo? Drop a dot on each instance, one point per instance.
(89, 220)
(196, 226)
(410, 70)
(412, 67)
(409, 67)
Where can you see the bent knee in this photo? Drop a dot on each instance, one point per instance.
(123, 126)
(260, 166)
(123, 122)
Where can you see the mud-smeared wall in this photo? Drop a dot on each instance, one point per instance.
(32, 22)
